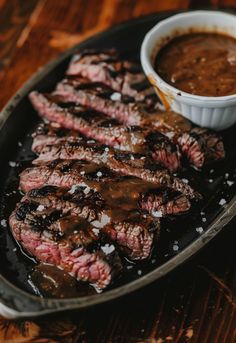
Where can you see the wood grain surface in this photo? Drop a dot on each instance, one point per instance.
(194, 304)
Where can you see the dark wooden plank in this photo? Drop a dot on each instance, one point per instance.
(59, 25)
(14, 16)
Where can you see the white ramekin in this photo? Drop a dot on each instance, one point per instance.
(217, 113)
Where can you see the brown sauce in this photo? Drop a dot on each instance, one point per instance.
(122, 195)
(199, 63)
(48, 280)
(123, 198)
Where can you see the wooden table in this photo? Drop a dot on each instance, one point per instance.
(197, 302)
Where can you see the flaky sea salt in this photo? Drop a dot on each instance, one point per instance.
(134, 139)
(40, 208)
(185, 180)
(230, 183)
(115, 96)
(199, 229)
(12, 164)
(104, 157)
(107, 248)
(19, 144)
(73, 189)
(175, 247)
(129, 267)
(104, 220)
(157, 214)
(139, 272)
(226, 175)
(222, 202)
(99, 174)
(203, 219)
(211, 171)
(82, 172)
(170, 134)
(106, 149)
(95, 231)
(210, 180)
(4, 222)
(86, 190)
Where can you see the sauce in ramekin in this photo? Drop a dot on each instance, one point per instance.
(199, 63)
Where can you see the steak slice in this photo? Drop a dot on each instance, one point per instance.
(107, 131)
(106, 67)
(65, 241)
(121, 162)
(99, 97)
(164, 202)
(128, 112)
(126, 191)
(201, 146)
(53, 133)
(133, 232)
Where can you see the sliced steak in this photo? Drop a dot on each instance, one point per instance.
(53, 133)
(107, 131)
(64, 241)
(126, 191)
(120, 162)
(106, 67)
(133, 232)
(79, 90)
(99, 97)
(202, 146)
(164, 202)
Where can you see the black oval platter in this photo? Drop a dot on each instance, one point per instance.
(18, 120)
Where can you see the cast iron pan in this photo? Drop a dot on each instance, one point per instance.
(181, 238)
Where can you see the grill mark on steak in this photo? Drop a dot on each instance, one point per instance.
(201, 146)
(123, 76)
(135, 114)
(98, 96)
(120, 162)
(108, 131)
(65, 242)
(133, 232)
(129, 193)
(164, 202)
(53, 133)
